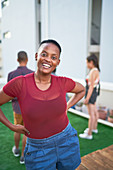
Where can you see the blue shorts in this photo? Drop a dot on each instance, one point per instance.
(60, 151)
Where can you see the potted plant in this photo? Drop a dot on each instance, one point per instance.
(102, 112)
(110, 118)
(111, 112)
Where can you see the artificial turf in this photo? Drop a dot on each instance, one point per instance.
(101, 140)
(8, 162)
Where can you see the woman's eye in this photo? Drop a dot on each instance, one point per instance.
(43, 54)
(53, 58)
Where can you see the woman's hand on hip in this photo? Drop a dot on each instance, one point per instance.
(20, 129)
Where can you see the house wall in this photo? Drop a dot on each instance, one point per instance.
(19, 19)
(105, 98)
(67, 23)
(106, 47)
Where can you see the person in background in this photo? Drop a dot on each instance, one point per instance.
(52, 143)
(22, 59)
(92, 91)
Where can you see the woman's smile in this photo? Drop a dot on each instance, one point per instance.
(48, 58)
(46, 66)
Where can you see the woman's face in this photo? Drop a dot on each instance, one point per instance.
(89, 64)
(48, 58)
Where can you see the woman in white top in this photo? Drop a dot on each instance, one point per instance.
(92, 91)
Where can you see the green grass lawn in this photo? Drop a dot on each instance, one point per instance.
(9, 162)
(101, 140)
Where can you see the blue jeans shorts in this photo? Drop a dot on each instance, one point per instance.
(60, 151)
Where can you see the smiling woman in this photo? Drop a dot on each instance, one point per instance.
(48, 57)
(47, 60)
(41, 96)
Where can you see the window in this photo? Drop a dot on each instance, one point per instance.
(96, 22)
(38, 21)
(94, 26)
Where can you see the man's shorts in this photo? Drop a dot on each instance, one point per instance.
(60, 151)
(18, 118)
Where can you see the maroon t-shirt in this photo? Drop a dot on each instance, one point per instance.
(44, 112)
(21, 70)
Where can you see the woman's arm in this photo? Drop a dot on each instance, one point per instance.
(16, 128)
(79, 91)
(93, 77)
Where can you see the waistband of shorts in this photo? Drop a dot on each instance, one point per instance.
(61, 134)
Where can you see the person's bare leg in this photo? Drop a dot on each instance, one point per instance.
(23, 144)
(96, 118)
(89, 121)
(17, 139)
(91, 118)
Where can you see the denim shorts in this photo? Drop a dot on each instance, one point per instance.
(60, 151)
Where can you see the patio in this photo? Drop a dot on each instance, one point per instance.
(100, 159)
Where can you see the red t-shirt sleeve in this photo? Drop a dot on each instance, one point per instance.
(13, 88)
(68, 84)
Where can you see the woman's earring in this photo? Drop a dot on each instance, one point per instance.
(36, 56)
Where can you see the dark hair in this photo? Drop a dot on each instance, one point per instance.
(22, 56)
(93, 58)
(53, 42)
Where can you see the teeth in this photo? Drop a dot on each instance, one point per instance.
(46, 65)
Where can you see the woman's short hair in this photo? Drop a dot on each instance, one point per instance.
(53, 42)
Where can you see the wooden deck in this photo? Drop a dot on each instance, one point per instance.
(98, 160)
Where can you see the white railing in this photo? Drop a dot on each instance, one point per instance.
(87, 116)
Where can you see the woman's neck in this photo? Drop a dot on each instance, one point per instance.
(94, 68)
(42, 78)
